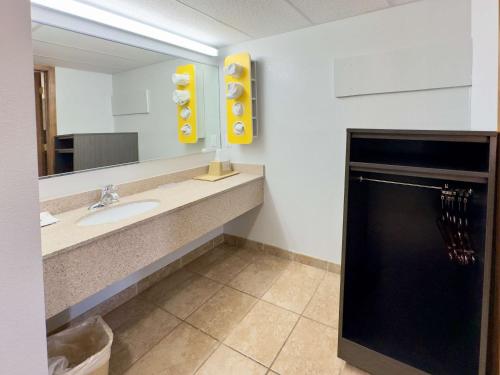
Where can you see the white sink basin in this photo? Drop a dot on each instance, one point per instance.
(117, 213)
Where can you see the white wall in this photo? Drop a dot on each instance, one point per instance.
(83, 101)
(22, 312)
(158, 129)
(303, 125)
(484, 98)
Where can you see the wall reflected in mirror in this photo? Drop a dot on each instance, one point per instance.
(100, 103)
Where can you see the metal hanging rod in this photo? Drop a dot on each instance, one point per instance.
(361, 179)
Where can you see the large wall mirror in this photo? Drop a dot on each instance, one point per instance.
(100, 103)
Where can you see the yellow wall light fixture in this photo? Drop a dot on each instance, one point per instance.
(104, 17)
(185, 96)
(241, 98)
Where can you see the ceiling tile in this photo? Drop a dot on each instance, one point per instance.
(321, 11)
(257, 18)
(225, 22)
(175, 17)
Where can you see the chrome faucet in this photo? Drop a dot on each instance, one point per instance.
(108, 195)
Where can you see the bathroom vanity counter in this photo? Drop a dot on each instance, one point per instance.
(79, 261)
(67, 234)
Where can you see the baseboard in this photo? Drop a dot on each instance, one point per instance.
(282, 253)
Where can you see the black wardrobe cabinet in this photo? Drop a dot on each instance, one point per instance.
(417, 251)
(79, 152)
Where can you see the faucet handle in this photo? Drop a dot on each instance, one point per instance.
(109, 194)
(110, 189)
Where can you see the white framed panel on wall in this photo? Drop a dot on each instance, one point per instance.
(425, 67)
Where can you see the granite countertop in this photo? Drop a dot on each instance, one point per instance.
(67, 235)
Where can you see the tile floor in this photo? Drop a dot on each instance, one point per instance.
(232, 311)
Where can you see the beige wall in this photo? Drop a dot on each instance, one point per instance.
(22, 324)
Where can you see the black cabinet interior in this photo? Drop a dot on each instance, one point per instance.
(406, 307)
(472, 156)
(78, 152)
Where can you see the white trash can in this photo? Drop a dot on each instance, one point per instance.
(84, 349)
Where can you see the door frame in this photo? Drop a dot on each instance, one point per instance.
(494, 352)
(51, 114)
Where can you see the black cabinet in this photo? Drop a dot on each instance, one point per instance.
(77, 152)
(413, 301)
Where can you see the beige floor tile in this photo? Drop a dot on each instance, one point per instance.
(258, 256)
(163, 289)
(225, 269)
(131, 311)
(196, 253)
(324, 306)
(158, 276)
(187, 297)
(273, 261)
(200, 264)
(261, 334)
(220, 314)
(136, 337)
(107, 306)
(250, 255)
(351, 370)
(225, 361)
(310, 349)
(181, 352)
(295, 287)
(257, 278)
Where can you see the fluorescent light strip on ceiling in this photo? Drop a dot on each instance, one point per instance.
(104, 17)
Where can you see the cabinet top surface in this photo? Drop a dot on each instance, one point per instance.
(414, 132)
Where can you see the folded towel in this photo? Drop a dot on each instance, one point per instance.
(180, 79)
(47, 219)
(185, 113)
(239, 128)
(238, 109)
(186, 129)
(233, 70)
(234, 90)
(180, 97)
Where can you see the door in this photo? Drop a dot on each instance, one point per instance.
(41, 124)
(45, 109)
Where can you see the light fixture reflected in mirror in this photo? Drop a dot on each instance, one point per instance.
(104, 17)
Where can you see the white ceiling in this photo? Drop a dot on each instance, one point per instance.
(225, 22)
(58, 47)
